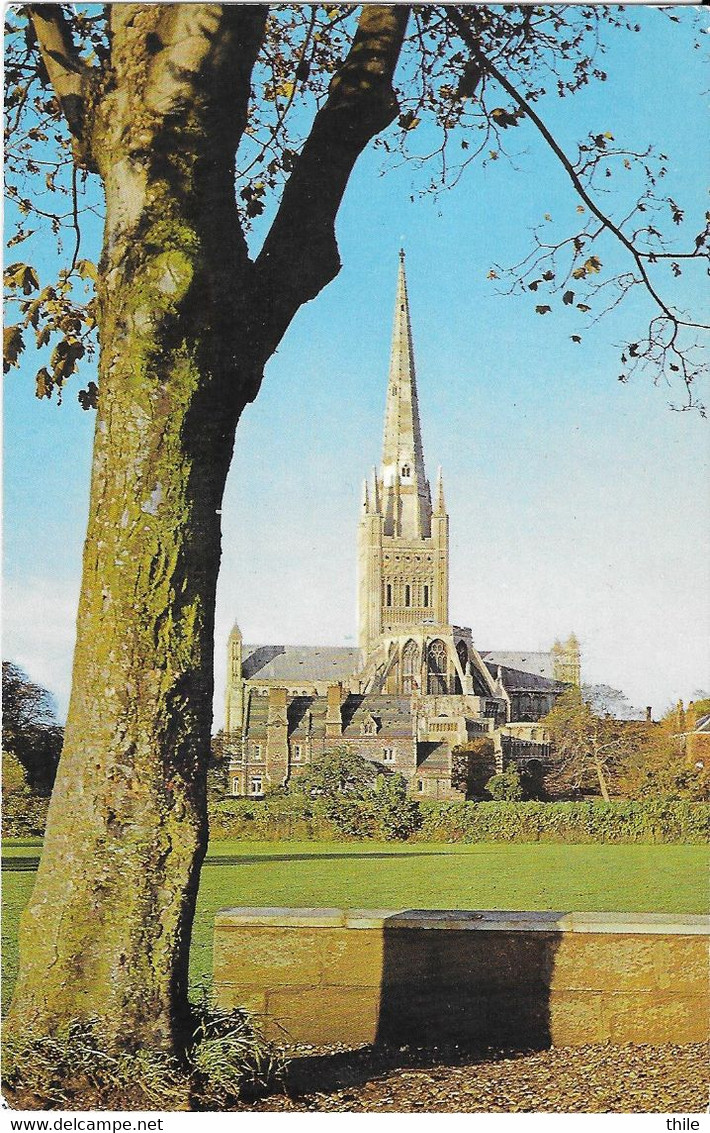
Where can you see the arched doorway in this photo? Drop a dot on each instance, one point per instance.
(437, 669)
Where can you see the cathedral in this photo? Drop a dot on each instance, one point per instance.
(416, 689)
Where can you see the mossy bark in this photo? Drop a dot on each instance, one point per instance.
(187, 322)
(107, 931)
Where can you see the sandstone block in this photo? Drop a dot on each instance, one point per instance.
(263, 957)
(352, 957)
(327, 1015)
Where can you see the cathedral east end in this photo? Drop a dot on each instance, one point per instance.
(416, 687)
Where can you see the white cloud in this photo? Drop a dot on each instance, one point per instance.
(39, 630)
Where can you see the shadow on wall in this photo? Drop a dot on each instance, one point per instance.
(460, 986)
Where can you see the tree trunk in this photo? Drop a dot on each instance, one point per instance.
(107, 931)
(601, 779)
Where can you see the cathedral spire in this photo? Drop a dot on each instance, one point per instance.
(402, 452)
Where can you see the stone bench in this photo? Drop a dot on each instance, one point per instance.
(326, 976)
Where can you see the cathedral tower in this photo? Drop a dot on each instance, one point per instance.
(403, 541)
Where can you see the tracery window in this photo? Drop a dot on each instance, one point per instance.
(437, 669)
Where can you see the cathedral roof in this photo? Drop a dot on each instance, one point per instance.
(517, 680)
(299, 662)
(541, 664)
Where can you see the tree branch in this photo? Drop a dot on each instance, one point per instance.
(69, 75)
(300, 253)
(465, 34)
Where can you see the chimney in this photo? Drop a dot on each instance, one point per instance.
(333, 718)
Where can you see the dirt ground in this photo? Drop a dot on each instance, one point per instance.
(588, 1079)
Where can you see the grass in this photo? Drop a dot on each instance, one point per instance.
(539, 876)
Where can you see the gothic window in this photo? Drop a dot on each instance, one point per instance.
(256, 753)
(426, 594)
(297, 753)
(420, 785)
(407, 595)
(388, 754)
(388, 594)
(437, 669)
(406, 471)
(236, 786)
(410, 667)
(255, 785)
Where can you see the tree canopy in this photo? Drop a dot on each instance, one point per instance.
(466, 76)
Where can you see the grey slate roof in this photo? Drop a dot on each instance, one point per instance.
(525, 662)
(299, 662)
(515, 680)
(392, 713)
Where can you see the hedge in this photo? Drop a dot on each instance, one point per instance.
(656, 820)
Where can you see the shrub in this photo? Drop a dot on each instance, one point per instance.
(506, 787)
(396, 815)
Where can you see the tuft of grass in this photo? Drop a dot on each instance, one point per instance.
(74, 1065)
(229, 1056)
(226, 1059)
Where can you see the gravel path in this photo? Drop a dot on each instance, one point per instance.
(588, 1079)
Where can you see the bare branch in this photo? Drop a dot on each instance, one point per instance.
(300, 254)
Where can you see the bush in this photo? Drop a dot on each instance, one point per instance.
(396, 815)
(506, 787)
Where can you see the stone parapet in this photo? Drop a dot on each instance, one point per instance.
(420, 976)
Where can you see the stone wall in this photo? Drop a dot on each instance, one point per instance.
(513, 978)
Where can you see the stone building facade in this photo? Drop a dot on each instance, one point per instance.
(416, 687)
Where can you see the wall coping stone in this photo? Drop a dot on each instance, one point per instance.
(484, 920)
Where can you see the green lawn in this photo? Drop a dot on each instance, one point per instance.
(576, 878)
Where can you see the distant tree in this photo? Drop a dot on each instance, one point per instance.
(588, 749)
(30, 730)
(396, 814)
(506, 787)
(668, 766)
(339, 773)
(472, 765)
(360, 797)
(532, 778)
(607, 701)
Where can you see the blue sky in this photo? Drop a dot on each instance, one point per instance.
(576, 502)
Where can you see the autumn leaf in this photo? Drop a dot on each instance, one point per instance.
(543, 308)
(21, 276)
(13, 345)
(575, 338)
(43, 383)
(568, 297)
(89, 398)
(408, 120)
